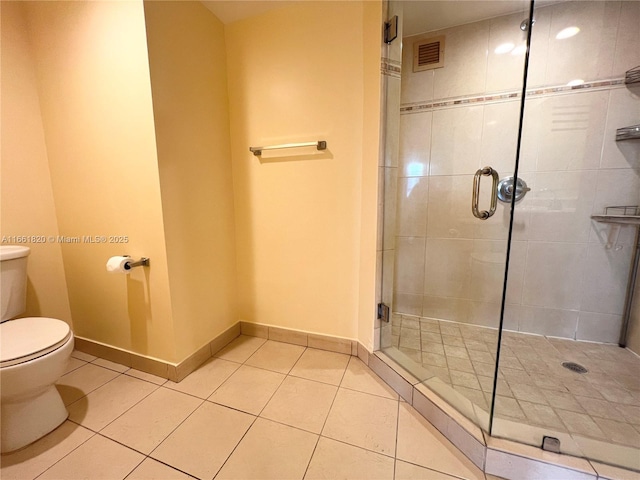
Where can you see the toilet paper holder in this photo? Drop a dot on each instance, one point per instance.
(143, 262)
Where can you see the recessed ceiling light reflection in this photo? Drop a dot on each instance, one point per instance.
(567, 33)
(415, 169)
(519, 50)
(577, 81)
(411, 184)
(504, 48)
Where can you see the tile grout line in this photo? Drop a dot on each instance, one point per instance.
(87, 393)
(64, 456)
(325, 419)
(84, 362)
(364, 449)
(279, 385)
(93, 362)
(368, 393)
(193, 395)
(172, 467)
(236, 446)
(257, 416)
(144, 457)
(527, 420)
(136, 403)
(144, 380)
(131, 407)
(125, 372)
(148, 455)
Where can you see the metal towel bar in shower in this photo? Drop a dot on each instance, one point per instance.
(320, 145)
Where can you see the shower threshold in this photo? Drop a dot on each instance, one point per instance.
(595, 414)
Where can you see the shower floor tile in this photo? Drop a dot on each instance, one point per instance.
(202, 427)
(533, 387)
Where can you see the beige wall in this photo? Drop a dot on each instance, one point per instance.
(372, 39)
(296, 74)
(27, 199)
(189, 87)
(303, 242)
(95, 96)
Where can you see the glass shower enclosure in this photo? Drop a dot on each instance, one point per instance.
(507, 281)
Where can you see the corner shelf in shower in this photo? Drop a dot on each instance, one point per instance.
(619, 219)
(620, 214)
(625, 215)
(632, 76)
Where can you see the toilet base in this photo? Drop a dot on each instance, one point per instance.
(28, 420)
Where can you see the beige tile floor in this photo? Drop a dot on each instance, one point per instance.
(533, 387)
(259, 410)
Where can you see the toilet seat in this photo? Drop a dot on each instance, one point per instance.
(24, 339)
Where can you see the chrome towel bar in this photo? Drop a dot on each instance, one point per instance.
(320, 145)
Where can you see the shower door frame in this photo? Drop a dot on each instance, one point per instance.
(523, 98)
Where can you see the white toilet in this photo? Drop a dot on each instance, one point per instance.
(34, 353)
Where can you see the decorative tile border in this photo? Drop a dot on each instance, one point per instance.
(389, 67)
(501, 97)
(570, 88)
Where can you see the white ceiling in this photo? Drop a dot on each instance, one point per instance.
(229, 11)
(428, 15)
(419, 15)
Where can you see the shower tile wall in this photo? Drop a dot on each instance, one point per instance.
(567, 274)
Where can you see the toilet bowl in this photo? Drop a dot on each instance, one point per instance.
(34, 352)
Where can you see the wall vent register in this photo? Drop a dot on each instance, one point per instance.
(428, 53)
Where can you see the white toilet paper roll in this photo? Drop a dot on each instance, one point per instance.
(118, 264)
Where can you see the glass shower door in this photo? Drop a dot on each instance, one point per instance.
(562, 373)
(447, 257)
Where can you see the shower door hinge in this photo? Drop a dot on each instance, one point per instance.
(383, 312)
(391, 29)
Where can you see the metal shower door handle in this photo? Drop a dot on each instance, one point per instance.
(475, 198)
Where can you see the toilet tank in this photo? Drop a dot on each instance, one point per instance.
(13, 280)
